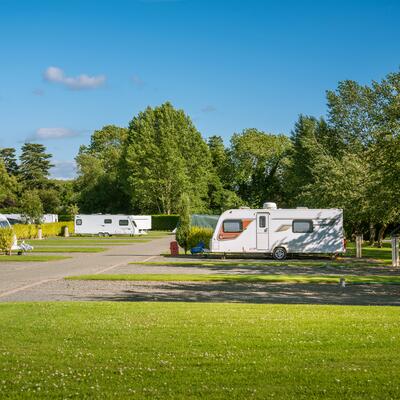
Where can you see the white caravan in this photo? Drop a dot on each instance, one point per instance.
(21, 219)
(143, 222)
(279, 231)
(105, 225)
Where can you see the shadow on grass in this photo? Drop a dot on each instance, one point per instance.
(255, 293)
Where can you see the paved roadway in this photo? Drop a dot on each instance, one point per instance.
(17, 277)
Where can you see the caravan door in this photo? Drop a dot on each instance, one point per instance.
(262, 231)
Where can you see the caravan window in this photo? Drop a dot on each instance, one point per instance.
(78, 222)
(108, 221)
(4, 224)
(302, 226)
(123, 222)
(233, 225)
(262, 221)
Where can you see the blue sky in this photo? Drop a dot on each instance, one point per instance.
(70, 67)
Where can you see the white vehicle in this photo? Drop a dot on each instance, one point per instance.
(105, 225)
(278, 232)
(143, 222)
(21, 219)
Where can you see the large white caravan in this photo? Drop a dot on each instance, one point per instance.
(105, 224)
(279, 231)
(143, 222)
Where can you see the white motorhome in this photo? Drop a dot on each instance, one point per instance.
(278, 232)
(105, 225)
(143, 222)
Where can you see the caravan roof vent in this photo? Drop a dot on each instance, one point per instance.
(244, 208)
(270, 206)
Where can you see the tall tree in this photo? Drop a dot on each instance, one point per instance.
(98, 183)
(165, 156)
(10, 160)
(259, 160)
(8, 187)
(35, 166)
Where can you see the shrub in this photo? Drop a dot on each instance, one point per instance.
(6, 240)
(52, 229)
(198, 234)
(183, 231)
(164, 222)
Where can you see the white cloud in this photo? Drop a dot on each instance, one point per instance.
(138, 81)
(208, 109)
(63, 170)
(53, 133)
(83, 81)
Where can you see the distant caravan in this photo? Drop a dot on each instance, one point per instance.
(107, 225)
(279, 232)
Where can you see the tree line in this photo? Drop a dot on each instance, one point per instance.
(348, 160)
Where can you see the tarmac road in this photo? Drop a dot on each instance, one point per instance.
(17, 277)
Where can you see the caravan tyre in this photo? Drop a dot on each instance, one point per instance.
(279, 253)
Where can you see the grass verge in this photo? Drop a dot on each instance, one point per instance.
(190, 351)
(53, 249)
(31, 258)
(394, 280)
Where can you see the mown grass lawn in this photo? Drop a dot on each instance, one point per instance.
(208, 351)
(54, 249)
(31, 258)
(393, 280)
(84, 241)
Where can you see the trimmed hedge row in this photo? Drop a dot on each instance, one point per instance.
(199, 234)
(164, 222)
(53, 229)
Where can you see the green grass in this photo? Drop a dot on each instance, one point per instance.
(383, 254)
(31, 258)
(85, 241)
(240, 278)
(193, 351)
(53, 249)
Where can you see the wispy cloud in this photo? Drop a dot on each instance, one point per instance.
(53, 133)
(38, 92)
(63, 170)
(80, 82)
(138, 81)
(208, 109)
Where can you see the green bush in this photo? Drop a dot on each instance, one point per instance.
(164, 222)
(65, 218)
(52, 229)
(6, 240)
(198, 234)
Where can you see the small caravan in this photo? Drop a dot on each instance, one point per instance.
(105, 225)
(278, 232)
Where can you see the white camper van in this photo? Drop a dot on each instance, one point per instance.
(279, 231)
(105, 225)
(143, 222)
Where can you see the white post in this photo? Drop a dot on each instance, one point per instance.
(359, 240)
(66, 232)
(40, 234)
(395, 251)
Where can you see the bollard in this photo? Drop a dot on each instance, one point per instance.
(66, 232)
(342, 282)
(40, 234)
(395, 251)
(359, 240)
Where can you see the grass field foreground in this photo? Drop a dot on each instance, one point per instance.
(54, 249)
(210, 351)
(351, 279)
(31, 258)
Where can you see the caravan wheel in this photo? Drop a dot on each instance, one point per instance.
(279, 253)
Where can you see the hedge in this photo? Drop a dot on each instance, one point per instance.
(198, 234)
(30, 231)
(164, 222)
(6, 240)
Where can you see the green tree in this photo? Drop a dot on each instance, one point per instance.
(8, 187)
(165, 156)
(50, 199)
(98, 183)
(34, 166)
(259, 161)
(10, 160)
(31, 206)
(183, 231)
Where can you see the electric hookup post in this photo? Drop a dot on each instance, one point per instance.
(359, 240)
(395, 251)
